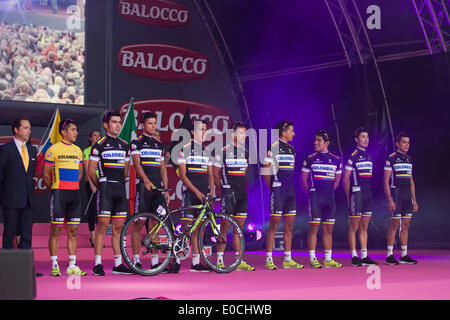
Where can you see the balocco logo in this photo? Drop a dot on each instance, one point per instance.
(163, 62)
(155, 12)
(169, 114)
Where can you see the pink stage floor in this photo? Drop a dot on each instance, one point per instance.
(430, 279)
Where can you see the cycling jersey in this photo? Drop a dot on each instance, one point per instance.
(151, 153)
(400, 164)
(112, 154)
(233, 162)
(360, 163)
(65, 159)
(197, 159)
(282, 157)
(323, 168)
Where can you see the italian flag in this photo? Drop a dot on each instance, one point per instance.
(128, 133)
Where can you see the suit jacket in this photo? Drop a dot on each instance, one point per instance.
(16, 184)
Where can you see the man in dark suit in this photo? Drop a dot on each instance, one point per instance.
(17, 166)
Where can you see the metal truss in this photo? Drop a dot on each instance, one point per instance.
(225, 56)
(356, 42)
(434, 22)
(227, 61)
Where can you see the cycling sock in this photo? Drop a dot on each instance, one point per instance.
(117, 260)
(72, 261)
(390, 250)
(312, 255)
(269, 256)
(155, 259)
(404, 251)
(363, 253)
(54, 261)
(287, 256)
(354, 254)
(327, 255)
(195, 259)
(98, 259)
(136, 259)
(219, 257)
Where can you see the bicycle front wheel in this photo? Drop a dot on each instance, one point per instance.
(144, 235)
(221, 243)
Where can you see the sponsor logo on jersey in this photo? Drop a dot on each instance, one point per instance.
(68, 157)
(364, 165)
(285, 158)
(113, 155)
(328, 168)
(197, 160)
(236, 163)
(402, 167)
(150, 153)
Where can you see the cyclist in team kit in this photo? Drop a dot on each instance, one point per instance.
(279, 177)
(357, 183)
(148, 154)
(400, 191)
(230, 167)
(324, 170)
(196, 173)
(112, 155)
(63, 171)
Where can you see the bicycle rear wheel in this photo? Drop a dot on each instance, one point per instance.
(145, 235)
(223, 235)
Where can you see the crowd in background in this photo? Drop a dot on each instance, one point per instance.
(38, 64)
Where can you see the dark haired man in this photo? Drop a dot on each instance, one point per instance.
(112, 155)
(230, 168)
(149, 161)
(17, 167)
(357, 183)
(325, 170)
(64, 161)
(400, 191)
(279, 177)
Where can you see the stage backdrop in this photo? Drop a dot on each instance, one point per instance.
(160, 53)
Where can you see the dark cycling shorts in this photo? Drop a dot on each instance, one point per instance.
(236, 205)
(361, 202)
(322, 207)
(283, 201)
(112, 200)
(147, 201)
(65, 204)
(190, 199)
(403, 202)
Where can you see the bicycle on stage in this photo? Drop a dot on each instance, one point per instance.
(161, 240)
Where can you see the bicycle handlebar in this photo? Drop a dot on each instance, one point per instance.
(208, 198)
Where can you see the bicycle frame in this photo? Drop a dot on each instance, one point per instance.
(205, 210)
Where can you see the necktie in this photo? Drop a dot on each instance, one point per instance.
(25, 157)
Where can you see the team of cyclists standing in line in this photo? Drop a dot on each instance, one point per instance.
(107, 163)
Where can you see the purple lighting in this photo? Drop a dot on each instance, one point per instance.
(251, 227)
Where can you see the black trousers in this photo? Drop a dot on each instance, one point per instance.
(17, 221)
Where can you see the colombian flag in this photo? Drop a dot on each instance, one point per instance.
(52, 137)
